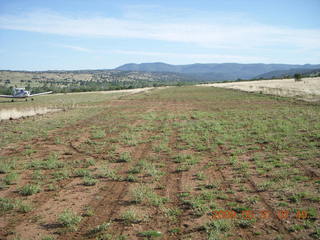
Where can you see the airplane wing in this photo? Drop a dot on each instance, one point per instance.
(6, 96)
(38, 94)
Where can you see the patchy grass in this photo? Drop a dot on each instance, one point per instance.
(29, 189)
(145, 194)
(89, 181)
(100, 228)
(130, 217)
(163, 159)
(69, 220)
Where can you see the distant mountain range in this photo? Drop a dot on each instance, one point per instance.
(290, 72)
(222, 71)
(167, 73)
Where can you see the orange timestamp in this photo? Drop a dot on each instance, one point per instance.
(259, 214)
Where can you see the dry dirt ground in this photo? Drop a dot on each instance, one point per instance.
(307, 89)
(160, 164)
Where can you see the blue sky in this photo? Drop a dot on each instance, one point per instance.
(96, 34)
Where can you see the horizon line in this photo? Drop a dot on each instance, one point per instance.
(109, 69)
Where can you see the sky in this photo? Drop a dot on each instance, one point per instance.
(104, 34)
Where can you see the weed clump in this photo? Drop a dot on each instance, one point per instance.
(82, 173)
(150, 234)
(130, 217)
(69, 220)
(29, 189)
(50, 163)
(89, 181)
(144, 193)
(124, 157)
(100, 228)
(6, 167)
(10, 178)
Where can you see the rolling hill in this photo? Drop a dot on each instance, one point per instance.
(290, 72)
(215, 71)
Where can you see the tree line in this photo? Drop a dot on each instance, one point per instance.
(89, 86)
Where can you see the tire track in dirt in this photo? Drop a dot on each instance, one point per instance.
(43, 147)
(215, 174)
(227, 186)
(43, 197)
(111, 198)
(179, 178)
(172, 183)
(312, 173)
(41, 201)
(281, 226)
(278, 224)
(16, 148)
(147, 149)
(283, 229)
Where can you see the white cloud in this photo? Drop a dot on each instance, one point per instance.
(213, 34)
(75, 48)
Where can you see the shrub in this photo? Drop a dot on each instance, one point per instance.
(6, 204)
(297, 77)
(89, 181)
(131, 178)
(29, 189)
(10, 178)
(23, 207)
(143, 193)
(6, 167)
(50, 163)
(81, 173)
(124, 157)
(69, 220)
(130, 217)
(100, 228)
(217, 228)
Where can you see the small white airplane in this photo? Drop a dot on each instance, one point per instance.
(22, 93)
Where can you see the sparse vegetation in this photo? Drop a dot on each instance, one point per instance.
(145, 194)
(217, 229)
(100, 228)
(6, 166)
(124, 157)
(157, 160)
(150, 234)
(82, 173)
(69, 220)
(6, 204)
(30, 189)
(10, 178)
(89, 181)
(130, 217)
